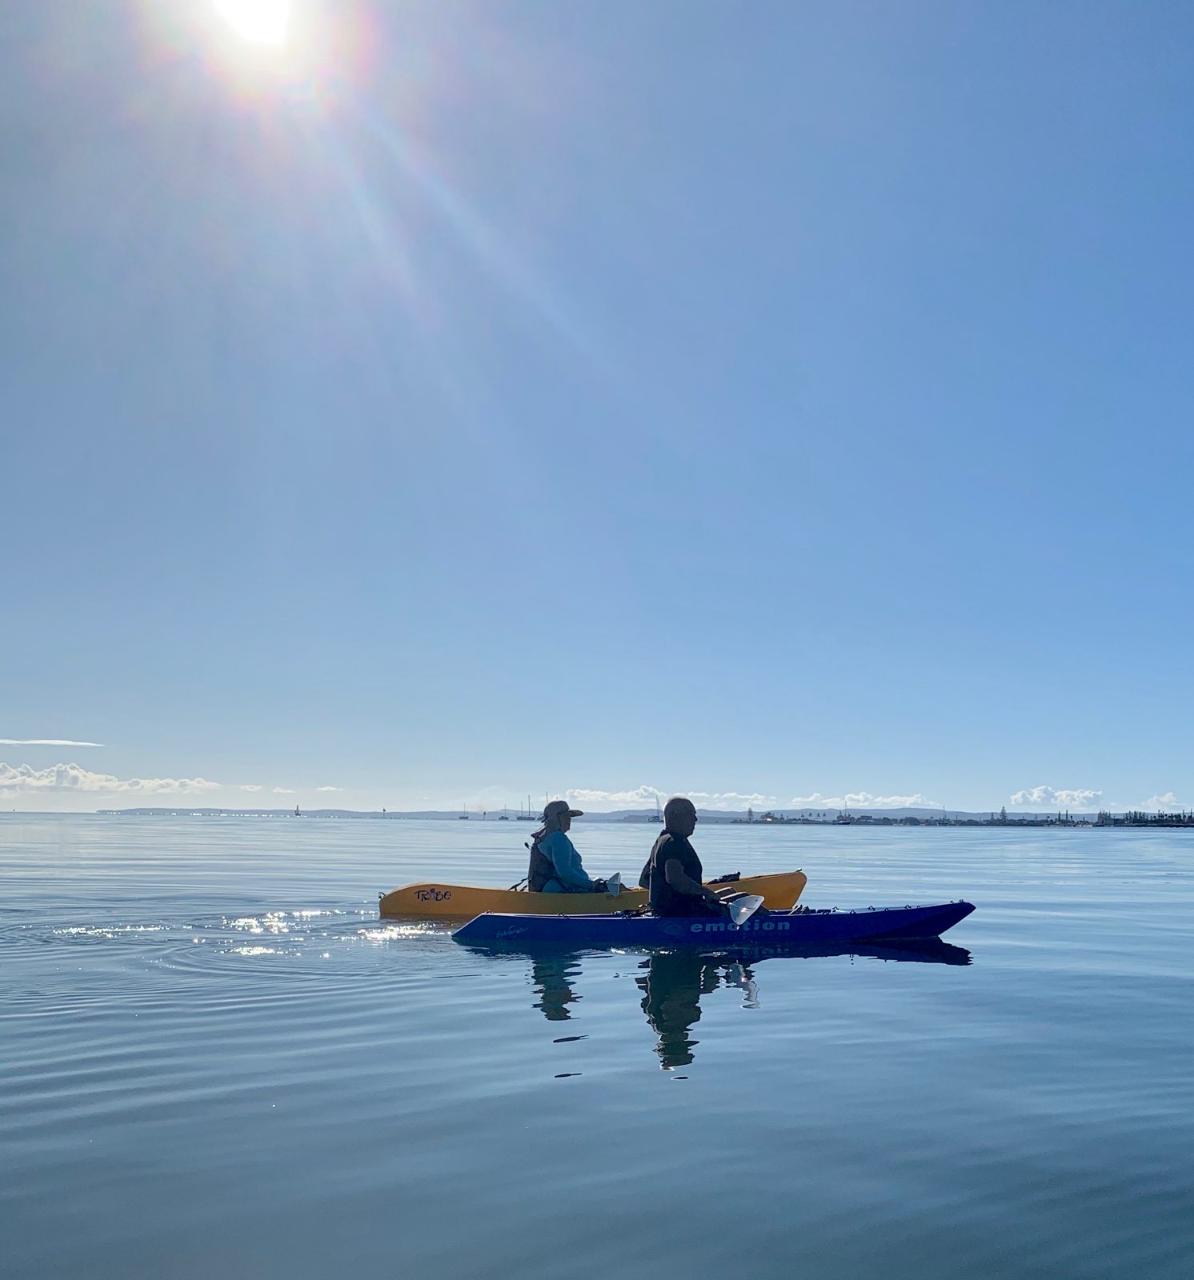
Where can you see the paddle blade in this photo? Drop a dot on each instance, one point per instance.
(614, 884)
(741, 909)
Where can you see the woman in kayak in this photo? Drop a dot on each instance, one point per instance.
(555, 864)
(674, 872)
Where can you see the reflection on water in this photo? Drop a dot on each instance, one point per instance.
(673, 982)
(550, 975)
(672, 990)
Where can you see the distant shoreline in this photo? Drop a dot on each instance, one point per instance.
(1129, 819)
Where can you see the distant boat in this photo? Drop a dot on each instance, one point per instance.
(528, 816)
(657, 816)
(465, 815)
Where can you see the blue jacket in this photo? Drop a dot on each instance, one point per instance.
(570, 875)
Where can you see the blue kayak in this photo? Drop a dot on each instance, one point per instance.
(799, 927)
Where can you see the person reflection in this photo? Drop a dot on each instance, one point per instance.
(672, 990)
(674, 982)
(551, 976)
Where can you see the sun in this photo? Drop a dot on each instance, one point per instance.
(260, 22)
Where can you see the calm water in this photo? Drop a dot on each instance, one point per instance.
(217, 1061)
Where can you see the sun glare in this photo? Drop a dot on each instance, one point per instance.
(261, 22)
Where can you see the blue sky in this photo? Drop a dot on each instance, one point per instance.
(781, 401)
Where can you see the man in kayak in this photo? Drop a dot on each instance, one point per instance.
(673, 872)
(555, 864)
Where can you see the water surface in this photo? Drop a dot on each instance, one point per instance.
(217, 1060)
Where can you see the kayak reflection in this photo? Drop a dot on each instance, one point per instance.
(672, 982)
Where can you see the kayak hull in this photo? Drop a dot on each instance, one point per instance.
(797, 928)
(463, 902)
(923, 950)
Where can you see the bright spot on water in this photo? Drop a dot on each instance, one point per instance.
(393, 932)
(271, 922)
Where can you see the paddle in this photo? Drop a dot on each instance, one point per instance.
(742, 906)
(613, 886)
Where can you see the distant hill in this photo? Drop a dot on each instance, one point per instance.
(197, 811)
(646, 816)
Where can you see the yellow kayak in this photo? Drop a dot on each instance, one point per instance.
(457, 901)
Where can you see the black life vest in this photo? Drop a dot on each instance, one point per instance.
(664, 900)
(541, 868)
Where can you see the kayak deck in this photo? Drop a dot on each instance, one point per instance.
(456, 901)
(799, 928)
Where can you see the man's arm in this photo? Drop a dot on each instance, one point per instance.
(683, 883)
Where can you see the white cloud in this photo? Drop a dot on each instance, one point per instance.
(728, 799)
(329, 788)
(1057, 797)
(46, 742)
(72, 778)
(1167, 802)
(635, 797)
(283, 791)
(644, 797)
(251, 786)
(863, 800)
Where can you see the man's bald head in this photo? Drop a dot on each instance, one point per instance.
(680, 816)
